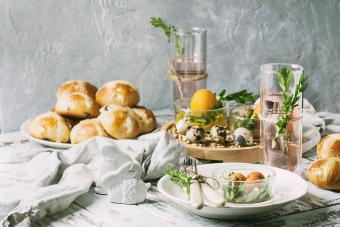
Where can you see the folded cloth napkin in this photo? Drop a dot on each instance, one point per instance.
(50, 181)
(317, 124)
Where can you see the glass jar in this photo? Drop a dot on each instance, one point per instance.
(187, 61)
(202, 118)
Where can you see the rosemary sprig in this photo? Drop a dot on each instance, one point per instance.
(289, 100)
(159, 23)
(181, 178)
(243, 97)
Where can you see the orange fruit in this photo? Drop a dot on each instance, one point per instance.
(203, 99)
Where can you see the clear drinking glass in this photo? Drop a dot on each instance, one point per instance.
(270, 88)
(283, 150)
(187, 61)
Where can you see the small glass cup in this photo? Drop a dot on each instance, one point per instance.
(282, 150)
(248, 191)
(270, 88)
(242, 115)
(203, 118)
(187, 61)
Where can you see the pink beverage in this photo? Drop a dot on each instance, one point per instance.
(188, 67)
(271, 102)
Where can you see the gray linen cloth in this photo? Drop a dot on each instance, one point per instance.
(45, 181)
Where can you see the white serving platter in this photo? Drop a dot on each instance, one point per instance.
(46, 143)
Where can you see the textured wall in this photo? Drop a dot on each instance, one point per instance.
(43, 43)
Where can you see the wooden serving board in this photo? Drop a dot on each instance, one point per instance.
(250, 154)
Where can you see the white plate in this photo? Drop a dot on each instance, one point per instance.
(24, 131)
(288, 187)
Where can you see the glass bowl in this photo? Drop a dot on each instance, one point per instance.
(248, 191)
(243, 116)
(203, 118)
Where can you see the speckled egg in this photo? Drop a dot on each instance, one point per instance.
(182, 126)
(243, 137)
(195, 134)
(218, 133)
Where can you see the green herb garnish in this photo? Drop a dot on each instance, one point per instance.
(159, 23)
(181, 178)
(289, 100)
(243, 97)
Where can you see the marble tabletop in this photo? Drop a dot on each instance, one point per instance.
(317, 208)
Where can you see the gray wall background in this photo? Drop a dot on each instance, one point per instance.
(44, 43)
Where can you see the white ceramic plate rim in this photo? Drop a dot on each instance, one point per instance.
(240, 206)
(24, 131)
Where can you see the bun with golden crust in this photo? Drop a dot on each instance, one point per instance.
(50, 126)
(325, 173)
(146, 118)
(329, 146)
(117, 92)
(77, 105)
(87, 129)
(119, 122)
(82, 86)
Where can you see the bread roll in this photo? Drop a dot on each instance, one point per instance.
(82, 86)
(146, 118)
(117, 92)
(77, 105)
(119, 122)
(50, 126)
(329, 146)
(87, 129)
(325, 173)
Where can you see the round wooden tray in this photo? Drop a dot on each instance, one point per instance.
(243, 154)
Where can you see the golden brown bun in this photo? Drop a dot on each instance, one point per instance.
(120, 122)
(117, 92)
(82, 86)
(77, 105)
(329, 146)
(87, 129)
(50, 126)
(146, 118)
(325, 173)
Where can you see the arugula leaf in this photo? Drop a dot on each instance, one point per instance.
(181, 178)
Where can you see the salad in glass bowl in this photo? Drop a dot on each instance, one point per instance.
(246, 185)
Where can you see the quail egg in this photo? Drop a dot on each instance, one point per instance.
(195, 134)
(218, 133)
(182, 126)
(243, 137)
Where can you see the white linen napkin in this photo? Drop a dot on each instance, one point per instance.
(316, 125)
(51, 180)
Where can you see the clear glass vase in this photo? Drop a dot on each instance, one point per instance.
(280, 149)
(187, 61)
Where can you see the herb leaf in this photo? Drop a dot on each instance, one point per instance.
(243, 96)
(181, 178)
(289, 100)
(159, 23)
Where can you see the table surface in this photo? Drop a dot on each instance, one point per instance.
(317, 208)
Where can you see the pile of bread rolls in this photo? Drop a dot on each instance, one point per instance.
(325, 171)
(82, 112)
